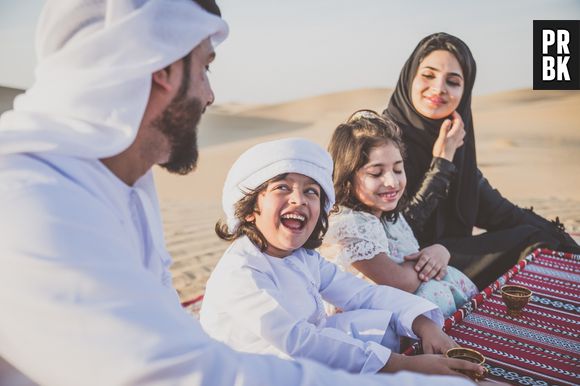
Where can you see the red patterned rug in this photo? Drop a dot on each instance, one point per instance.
(193, 306)
(542, 347)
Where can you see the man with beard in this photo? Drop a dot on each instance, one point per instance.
(86, 296)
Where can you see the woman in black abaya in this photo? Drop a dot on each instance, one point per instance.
(448, 195)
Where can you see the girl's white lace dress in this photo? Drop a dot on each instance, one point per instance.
(356, 235)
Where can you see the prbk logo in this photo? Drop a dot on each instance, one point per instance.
(556, 54)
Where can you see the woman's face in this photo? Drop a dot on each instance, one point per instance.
(438, 85)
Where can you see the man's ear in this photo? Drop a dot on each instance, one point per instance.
(166, 78)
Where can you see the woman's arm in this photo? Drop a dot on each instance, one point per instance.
(433, 189)
(434, 185)
(494, 211)
(382, 270)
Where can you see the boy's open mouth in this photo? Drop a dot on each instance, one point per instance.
(293, 221)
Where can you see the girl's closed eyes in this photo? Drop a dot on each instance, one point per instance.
(267, 293)
(368, 234)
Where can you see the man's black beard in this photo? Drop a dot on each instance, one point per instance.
(179, 124)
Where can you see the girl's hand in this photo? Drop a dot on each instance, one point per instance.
(431, 262)
(450, 137)
(433, 339)
(430, 364)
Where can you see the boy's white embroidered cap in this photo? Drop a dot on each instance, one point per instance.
(267, 160)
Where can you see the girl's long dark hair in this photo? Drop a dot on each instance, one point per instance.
(350, 146)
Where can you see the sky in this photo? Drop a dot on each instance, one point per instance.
(280, 50)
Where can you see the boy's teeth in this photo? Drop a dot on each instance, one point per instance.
(294, 216)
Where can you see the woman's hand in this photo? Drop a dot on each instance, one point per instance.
(450, 137)
(433, 339)
(430, 364)
(431, 262)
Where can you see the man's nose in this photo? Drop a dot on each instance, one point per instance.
(211, 98)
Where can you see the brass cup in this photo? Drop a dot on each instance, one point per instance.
(515, 298)
(469, 355)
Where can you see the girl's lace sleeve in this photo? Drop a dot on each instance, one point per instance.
(353, 236)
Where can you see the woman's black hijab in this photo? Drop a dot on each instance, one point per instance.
(455, 217)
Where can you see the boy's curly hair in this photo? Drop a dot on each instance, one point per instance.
(248, 205)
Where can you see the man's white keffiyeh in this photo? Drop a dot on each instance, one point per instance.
(95, 60)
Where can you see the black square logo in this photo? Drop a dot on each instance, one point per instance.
(556, 55)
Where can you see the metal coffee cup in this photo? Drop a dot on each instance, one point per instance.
(515, 298)
(469, 355)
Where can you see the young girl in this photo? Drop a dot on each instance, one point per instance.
(266, 293)
(368, 234)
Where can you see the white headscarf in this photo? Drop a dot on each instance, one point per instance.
(93, 79)
(269, 159)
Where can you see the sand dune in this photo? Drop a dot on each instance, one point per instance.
(528, 145)
(524, 138)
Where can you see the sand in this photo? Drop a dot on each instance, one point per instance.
(528, 146)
